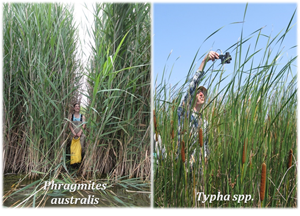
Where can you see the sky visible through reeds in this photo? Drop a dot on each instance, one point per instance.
(181, 29)
(84, 19)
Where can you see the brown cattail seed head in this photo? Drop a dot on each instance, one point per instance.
(182, 151)
(200, 137)
(154, 119)
(290, 158)
(263, 181)
(172, 130)
(244, 152)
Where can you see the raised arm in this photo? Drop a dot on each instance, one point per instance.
(195, 80)
(210, 56)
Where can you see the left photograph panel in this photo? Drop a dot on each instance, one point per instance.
(76, 105)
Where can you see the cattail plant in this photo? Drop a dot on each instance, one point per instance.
(239, 109)
(182, 151)
(263, 181)
(290, 159)
(154, 120)
(200, 137)
(172, 130)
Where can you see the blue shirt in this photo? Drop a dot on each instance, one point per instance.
(76, 119)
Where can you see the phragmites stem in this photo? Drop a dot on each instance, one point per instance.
(200, 137)
(182, 151)
(244, 152)
(290, 158)
(263, 181)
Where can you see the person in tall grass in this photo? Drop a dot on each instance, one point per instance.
(196, 119)
(76, 125)
(194, 103)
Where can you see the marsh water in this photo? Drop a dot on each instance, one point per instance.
(113, 196)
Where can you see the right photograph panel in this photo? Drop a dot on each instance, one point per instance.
(225, 105)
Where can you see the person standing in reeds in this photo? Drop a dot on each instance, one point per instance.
(76, 125)
(196, 120)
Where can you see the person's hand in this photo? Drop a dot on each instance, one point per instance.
(211, 56)
(79, 134)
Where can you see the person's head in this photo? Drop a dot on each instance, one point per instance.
(201, 95)
(76, 107)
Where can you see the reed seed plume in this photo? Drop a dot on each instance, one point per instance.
(290, 158)
(200, 137)
(182, 151)
(263, 181)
